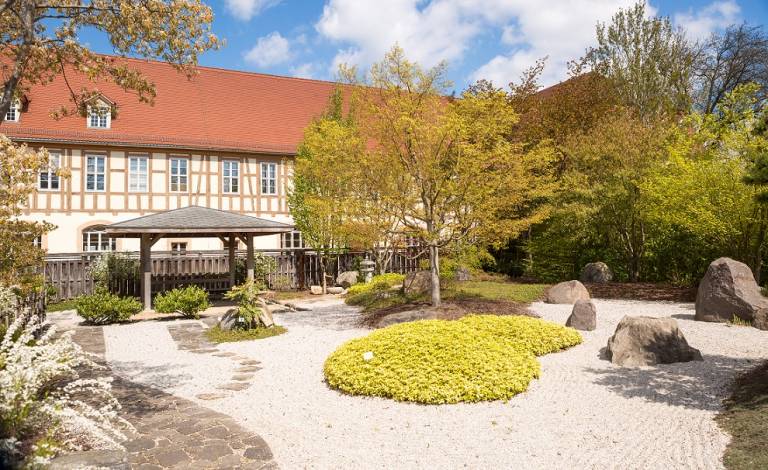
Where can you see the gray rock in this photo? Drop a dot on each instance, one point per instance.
(728, 289)
(583, 316)
(566, 293)
(316, 290)
(335, 290)
(91, 459)
(598, 272)
(646, 341)
(418, 282)
(761, 319)
(229, 320)
(463, 274)
(347, 278)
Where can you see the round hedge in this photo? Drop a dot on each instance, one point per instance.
(532, 334)
(431, 361)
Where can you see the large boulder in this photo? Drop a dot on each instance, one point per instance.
(462, 274)
(347, 278)
(583, 316)
(335, 290)
(646, 341)
(316, 290)
(417, 283)
(727, 290)
(229, 320)
(761, 319)
(566, 293)
(598, 272)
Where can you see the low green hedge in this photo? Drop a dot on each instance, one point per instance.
(189, 301)
(102, 307)
(381, 282)
(438, 361)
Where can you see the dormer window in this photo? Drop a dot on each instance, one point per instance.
(99, 116)
(14, 112)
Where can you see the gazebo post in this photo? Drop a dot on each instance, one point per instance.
(249, 255)
(145, 260)
(232, 260)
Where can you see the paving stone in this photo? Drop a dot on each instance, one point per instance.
(236, 386)
(242, 377)
(211, 396)
(212, 452)
(172, 457)
(224, 354)
(250, 362)
(216, 432)
(258, 453)
(245, 369)
(139, 444)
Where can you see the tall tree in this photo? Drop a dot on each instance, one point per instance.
(725, 61)
(458, 178)
(648, 60)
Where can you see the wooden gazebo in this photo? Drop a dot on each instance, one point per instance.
(194, 222)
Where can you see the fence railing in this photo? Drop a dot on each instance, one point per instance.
(70, 273)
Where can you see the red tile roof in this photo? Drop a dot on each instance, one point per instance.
(217, 109)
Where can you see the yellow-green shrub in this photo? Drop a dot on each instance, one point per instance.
(532, 334)
(431, 361)
(381, 282)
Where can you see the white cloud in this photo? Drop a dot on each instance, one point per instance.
(269, 50)
(701, 23)
(305, 70)
(247, 9)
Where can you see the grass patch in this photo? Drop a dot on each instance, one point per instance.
(217, 335)
(738, 321)
(477, 358)
(288, 294)
(61, 305)
(494, 290)
(746, 419)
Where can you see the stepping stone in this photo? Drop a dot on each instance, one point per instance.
(250, 362)
(248, 369)
(203, 350)
(236, 386)
(211, 396)
(242, 377)
(224, 354)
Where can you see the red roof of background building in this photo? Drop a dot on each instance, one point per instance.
(216, 109)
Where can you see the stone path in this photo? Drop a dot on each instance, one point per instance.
(171, 432)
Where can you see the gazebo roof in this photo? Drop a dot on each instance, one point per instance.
(196, 221)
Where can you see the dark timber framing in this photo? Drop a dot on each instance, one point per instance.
(194, 222)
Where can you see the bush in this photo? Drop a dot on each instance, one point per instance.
(247, 297)
(188, 301)
(103, 307)
(379, 283)
(482, 357)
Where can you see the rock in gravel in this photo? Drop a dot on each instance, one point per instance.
(646, 341)
(316, 290)
(418, 282)
(347, 279)
(598, 272)
(583, 316)
(566, 293)
(727, 290)
(761, 319)
(229, 320)
(335, 290)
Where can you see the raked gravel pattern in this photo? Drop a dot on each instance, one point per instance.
(583, 412)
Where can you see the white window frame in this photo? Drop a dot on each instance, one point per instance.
(96, 173)
(15, 111)
(135, 174)
(266, 178)
(230, 176)
(289, 240)
(102, 113)
(54, 162)
(100, 238)
(179, 248)
(176, 173)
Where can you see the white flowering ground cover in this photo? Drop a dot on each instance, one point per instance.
(582, 413)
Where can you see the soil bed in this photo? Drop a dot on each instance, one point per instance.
(642, 291)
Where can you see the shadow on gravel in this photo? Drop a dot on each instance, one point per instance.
(683, 316)
(696, 384)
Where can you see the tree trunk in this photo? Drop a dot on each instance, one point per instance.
(323, 273)
(434, 268)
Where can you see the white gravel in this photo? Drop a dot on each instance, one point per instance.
(583, 412)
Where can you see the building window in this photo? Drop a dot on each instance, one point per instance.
(231, 176)
(178, 248)
(95, 172)
(14, 112)
(292, 240)
(268, 178)
(49, 178)
(179, 174)
(138, 171)
(96, 239)
(99, 117)
(38, 241)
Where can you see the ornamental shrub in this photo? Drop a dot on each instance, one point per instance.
(188, 301)
(103, 307)
(438, 361)
(381, 282)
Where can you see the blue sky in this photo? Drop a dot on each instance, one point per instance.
(493, 39)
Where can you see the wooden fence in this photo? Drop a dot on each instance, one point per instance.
(70, 274)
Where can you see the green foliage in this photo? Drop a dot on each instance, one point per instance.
(102, 307)
(379, 283)
(263, 266)
(437, 361)
(69, 304)
(247, 297)
(189, 301)
(217, 335)
(111, 268)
